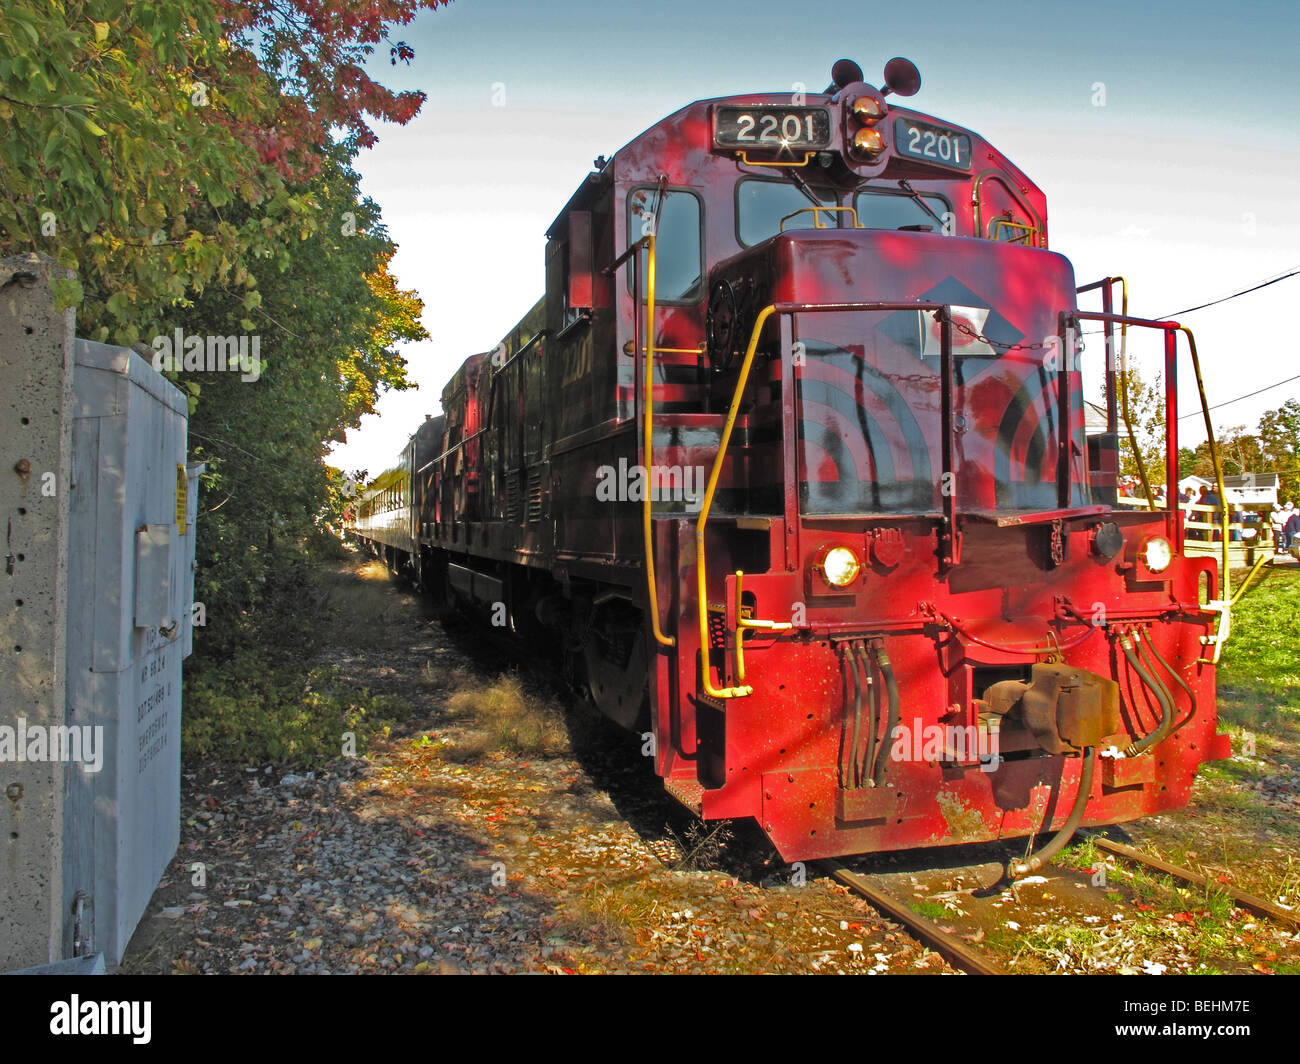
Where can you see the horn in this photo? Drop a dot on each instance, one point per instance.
(901, 77)
(845, 72)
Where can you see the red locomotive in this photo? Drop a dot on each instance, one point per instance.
(792, 456)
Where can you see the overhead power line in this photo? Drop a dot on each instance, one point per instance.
(1234, 295)
(1229, 402)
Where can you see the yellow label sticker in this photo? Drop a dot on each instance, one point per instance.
(182, 498)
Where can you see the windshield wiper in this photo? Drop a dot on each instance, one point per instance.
(916, 196)
(803, 187)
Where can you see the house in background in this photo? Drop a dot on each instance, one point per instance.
(1252, 489)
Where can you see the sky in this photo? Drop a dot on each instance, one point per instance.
(1166, 137)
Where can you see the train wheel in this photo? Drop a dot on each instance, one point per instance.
(614, 654)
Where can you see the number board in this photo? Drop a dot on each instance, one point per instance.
(772, 128)
(932, 144)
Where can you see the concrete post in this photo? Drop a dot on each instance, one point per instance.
(36, 358)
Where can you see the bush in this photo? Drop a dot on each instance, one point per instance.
(249, 711)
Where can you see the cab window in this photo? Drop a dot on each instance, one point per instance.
(1003, 216)
(679, 264)
(760, 206)
(878, 209)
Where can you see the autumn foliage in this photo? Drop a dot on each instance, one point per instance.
(188, 164)
(131, 129)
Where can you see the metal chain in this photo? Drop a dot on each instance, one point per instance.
(960, 327)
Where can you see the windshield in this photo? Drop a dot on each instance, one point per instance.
(761, 204)
(878, 209)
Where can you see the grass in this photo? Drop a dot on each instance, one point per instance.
(1261, 654)
(364, 612)
(1236, 824)
(615, 912)
(1259, 674)
(253, 711)
(265, 702)
(512, 719)
(931, 910)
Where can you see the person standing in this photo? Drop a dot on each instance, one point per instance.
(1210, 497)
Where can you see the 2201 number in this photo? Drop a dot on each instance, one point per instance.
(765, 129)
(772, 128)
(943, 146)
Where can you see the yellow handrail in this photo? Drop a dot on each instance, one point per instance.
(1264, 558)
(817, 218)
(660, 637)
(743, 624)
(701, 569)
(1030, 231)
(1214, 457)
(1122, 377)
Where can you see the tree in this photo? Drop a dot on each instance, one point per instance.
(134, 134)
(119, 121)
(1279, 437)
(1145, 404)
(315, 50)
(324, 361)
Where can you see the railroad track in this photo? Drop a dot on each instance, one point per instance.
(925, 931)
(961, 956)
(1251, 902)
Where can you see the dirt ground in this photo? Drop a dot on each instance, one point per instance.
(503, 827)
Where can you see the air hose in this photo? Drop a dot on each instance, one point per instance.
(1162, 696)
(873, 715)
(886, 670)
(849, 656)
(1178, 680)
(1016, 869)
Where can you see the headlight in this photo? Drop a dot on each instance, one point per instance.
(840, 567)
(868, 142)
(867, 109)
(1157, 553)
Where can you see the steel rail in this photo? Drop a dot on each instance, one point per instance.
(1251, 902)
(925, 931)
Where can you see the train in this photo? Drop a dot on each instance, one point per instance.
(806, 464)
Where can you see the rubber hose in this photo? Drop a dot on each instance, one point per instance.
(1015, 869)
(882, 763)
(857, 714)
(1166, 706)
(844, 729)
(1181, 683)
(1144, 652)
(873, 712)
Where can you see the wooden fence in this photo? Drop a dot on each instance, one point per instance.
(1204, 530)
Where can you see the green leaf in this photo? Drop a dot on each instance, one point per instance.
(67, 292)
(52, 147)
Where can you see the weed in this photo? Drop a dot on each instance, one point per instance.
(932, 910)
(513, 719)
(252, 710)
(704, 845)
